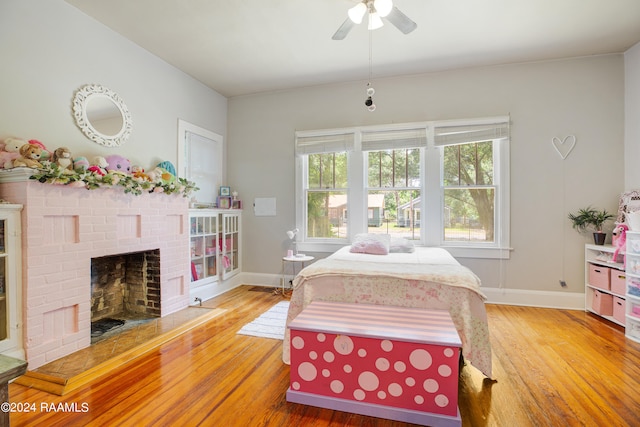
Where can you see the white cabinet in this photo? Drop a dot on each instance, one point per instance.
(10, 281)
(230, 244)
(632, 303)
(203, 235)
(215, 254)
(605, 283)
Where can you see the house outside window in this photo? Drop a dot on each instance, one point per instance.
(394, 177)
(442, 183)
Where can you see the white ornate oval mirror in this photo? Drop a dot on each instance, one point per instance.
(102, 115)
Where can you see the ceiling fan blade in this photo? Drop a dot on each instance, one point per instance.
(401, 21)
(344, 29)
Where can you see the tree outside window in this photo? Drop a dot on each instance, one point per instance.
(393, 192)
(442, 183)
(327, 195)
(469, 193)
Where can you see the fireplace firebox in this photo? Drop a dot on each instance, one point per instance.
(126, 286)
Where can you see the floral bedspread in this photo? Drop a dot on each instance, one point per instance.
(447, 285)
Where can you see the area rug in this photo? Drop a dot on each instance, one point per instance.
(270, 324)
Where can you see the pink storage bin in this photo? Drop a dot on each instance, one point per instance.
(602, 303)
(619, 306)
(618, 282)
(599, 276)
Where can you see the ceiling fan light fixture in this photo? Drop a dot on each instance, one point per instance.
(376, 9)
(356, 13)
(383, 7)
(375, 21)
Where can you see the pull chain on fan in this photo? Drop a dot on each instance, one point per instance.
(370, 90)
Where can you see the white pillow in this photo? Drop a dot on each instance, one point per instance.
(367, 243)
(400, 244)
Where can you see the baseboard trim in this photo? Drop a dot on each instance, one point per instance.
(530, 298)
(260, 279)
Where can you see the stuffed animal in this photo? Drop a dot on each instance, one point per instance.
(62, 158)
(29, 156)
(10, 152)
(99, 166)
(619, 240)
(168, 166)
(139, 174)
(161, 176)
(118, 164)
(80, 164)
(45, 155)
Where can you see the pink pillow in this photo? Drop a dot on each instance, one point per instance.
(375, 244)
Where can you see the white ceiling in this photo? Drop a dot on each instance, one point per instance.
(242, 47)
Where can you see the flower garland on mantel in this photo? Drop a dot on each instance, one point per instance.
(51, 173)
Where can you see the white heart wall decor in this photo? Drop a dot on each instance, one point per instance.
(564, 146)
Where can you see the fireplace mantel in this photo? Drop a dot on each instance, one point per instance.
(62, 229)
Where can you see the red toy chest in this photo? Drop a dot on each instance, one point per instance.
(390, 362)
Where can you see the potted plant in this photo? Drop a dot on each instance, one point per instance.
(591, 218)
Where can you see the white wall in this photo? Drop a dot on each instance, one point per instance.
(583, 97)
(49, 49)
(632, 117)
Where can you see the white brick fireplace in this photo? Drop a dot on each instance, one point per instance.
(63, 228)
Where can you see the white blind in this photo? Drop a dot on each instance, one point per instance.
(464, 134)
(316, 144)
(394, 139)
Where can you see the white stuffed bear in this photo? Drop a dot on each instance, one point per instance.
(10, 152)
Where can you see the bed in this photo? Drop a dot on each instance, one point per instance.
(425, 278)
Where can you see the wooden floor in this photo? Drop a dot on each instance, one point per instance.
(553, 368)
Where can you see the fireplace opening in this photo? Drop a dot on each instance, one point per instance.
(125, 290)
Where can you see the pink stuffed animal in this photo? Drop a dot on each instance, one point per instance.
(118, 164)
(619, 241)
(99, 165)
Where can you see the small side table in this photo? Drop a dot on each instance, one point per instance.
(10, 368)
(293, 260)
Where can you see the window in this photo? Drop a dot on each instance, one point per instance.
(394, 192)
(200, 160)
(469, 193)
(325, 165)
(327, 195)
(439, 183)
(474, 186)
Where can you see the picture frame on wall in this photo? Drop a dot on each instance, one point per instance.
(225, 191)
(224, 202)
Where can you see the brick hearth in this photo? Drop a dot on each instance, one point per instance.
(62, 229)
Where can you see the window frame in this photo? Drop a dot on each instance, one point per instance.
(432, 189)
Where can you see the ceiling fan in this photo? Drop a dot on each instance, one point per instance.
(377, 9)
